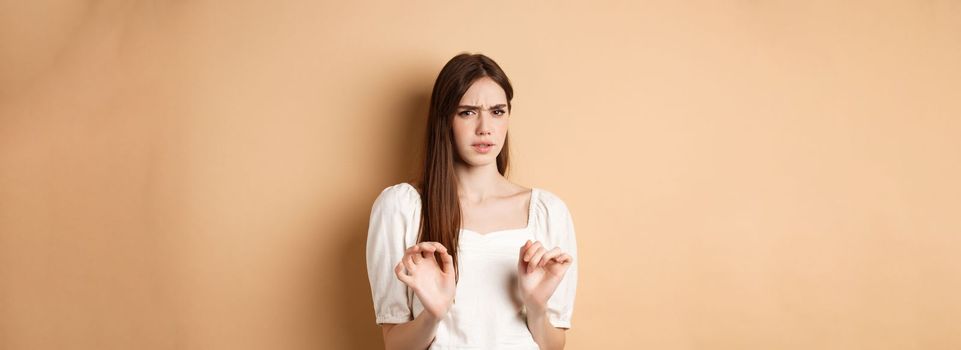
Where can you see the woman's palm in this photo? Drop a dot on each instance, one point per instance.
(432, 282)
(539, 276)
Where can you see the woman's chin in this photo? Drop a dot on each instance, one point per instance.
(480, 161)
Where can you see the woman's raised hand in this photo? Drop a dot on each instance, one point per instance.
(540, 272)
(432, 282)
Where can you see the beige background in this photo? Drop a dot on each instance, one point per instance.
(748, 175)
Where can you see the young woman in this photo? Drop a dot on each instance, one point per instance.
(462, 258)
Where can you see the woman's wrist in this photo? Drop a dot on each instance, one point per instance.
(430, 318)
(544, 333)
(438, 317)
(536, 311)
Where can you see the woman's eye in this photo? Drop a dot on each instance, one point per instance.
(465, 113)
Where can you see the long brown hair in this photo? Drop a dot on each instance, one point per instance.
(440, 207)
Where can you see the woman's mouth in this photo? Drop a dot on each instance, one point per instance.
(483, 147)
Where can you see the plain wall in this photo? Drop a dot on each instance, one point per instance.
(741, 174)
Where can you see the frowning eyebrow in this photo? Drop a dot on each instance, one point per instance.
(478, 107)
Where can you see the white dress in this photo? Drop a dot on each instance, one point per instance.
(487, 313)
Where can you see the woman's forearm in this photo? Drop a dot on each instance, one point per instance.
(415, 334)
(545, 334)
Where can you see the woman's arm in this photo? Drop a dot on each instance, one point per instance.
(540, 271)
(434, 285)
(546, 335)
(416, 334)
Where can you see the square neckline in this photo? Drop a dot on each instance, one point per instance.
(530, 215)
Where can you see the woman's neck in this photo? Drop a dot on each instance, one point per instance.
(477, 183)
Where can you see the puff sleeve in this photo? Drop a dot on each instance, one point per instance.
(560, 233)
(391, 221)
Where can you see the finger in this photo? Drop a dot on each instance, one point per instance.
(564, 259)
(439, 247)
(414, 249)
(403, 277)
(520, 256)
(536, 259)
(441, 250)
(550, 255)
(409, 263)
(530, 251)
(523, 250)
(426, 252)
(448, 260)
(427, 247)
(432, 258)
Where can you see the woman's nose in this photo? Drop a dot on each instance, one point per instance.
(483, 125)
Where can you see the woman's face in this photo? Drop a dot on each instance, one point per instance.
(480, 122)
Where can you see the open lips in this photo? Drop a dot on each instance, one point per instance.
(483, 146)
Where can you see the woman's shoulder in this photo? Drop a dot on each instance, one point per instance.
(553, 219)
(402, 195)
(550, 202)
(549, 199)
